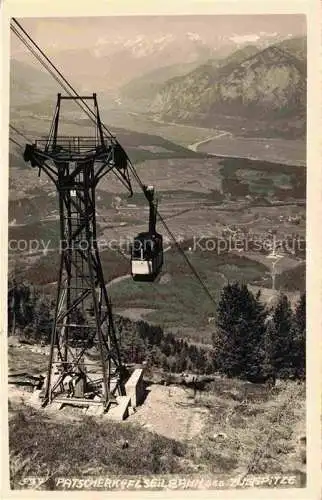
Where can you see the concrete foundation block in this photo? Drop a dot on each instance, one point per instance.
(134, 387)
(120, 411)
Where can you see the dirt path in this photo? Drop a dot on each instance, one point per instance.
(118, 279)
(171, 412)
(135, 313)
(168, 411)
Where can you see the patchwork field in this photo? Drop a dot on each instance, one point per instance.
(233, 204)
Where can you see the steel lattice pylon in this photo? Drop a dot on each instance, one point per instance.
(83, 327)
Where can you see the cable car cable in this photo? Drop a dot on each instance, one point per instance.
(32, 50)
(46, 67)
(90, 114)
(192, 268)
(156, 290)
(15, 142)
(57, 71)
(17, 132)
(88, 111)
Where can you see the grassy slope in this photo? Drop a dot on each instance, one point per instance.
(182, 301)
(45, 270)
(261, 432)
(293, 279)
(261, 429)
(87, 448)
(177, 298)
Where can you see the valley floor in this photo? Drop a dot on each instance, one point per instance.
(288, 152)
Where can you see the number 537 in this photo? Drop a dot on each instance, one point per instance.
(32, 481)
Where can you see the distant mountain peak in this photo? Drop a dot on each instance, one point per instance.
(266, 84)
(193, 36)
(242, 39)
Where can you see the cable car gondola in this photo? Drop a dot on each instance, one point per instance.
(147, 247)
(147, 256)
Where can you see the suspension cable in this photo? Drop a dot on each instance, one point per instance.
(161, 296)
(90, 113)
(63, 82)
(16, 143)
(177, 244)
(184, 255)
(46, 66)
(18, 132)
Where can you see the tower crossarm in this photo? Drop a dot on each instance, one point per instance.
(78, 151)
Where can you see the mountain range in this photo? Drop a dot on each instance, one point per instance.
(30, 84)
(149, 84)
(107, 53)
(181, 77)
(263, 84)
(109, 64)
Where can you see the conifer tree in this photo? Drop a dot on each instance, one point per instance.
(238, 341)
(281, 344)
(299, 338)
(42, 320)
